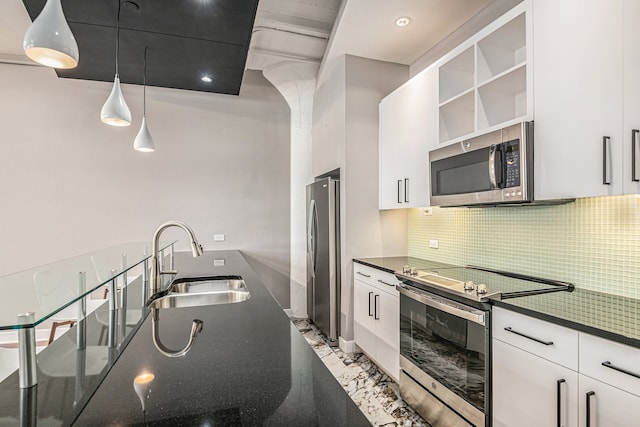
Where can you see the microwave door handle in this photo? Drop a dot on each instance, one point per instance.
(492, 168)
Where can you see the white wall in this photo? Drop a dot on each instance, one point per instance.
(70, 184)
(345, 136)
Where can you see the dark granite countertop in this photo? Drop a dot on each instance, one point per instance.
(249, 366)
(606, 315)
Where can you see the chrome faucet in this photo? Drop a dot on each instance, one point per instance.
(196, 326)
(196, 249)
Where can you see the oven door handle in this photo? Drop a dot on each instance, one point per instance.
(468, 313)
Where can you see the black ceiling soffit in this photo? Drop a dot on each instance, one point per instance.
(187, 39)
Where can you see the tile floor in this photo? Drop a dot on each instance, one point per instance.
(372, 390)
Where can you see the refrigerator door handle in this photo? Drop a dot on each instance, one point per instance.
(311, 238)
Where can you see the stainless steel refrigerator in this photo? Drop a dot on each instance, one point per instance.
(323, 256)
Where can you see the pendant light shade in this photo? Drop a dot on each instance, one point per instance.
(144, 141)
(115, 111)
(49, 40)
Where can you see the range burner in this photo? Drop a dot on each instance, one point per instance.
(480, 284)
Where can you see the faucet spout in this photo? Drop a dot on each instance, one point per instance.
(196, 328)
(196, 250)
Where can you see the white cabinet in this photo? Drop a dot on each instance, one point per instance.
(609, 383)
(533, 384)
(607, 406)
(376, 312)
(526, 389)
(535, 378)
(407, 133)
(578, 90)
(485, 83)
(631, 87)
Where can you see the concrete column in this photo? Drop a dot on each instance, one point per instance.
(296, 81)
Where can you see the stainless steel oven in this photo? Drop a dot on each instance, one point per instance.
(444, 359)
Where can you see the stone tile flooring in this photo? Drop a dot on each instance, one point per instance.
(372, 390)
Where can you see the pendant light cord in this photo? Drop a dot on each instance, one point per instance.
(144, 85)
(118, 35)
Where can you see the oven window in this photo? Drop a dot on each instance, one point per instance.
(464, 173)
(450, 349)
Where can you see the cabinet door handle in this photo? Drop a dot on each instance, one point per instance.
(508, 329)
(370, 293)
(406, 190)
(385, 283)
(399, 190)
(589, 394)
(375, 306)
(635, 156)
(608, 364)
(362, 274)
(559, 400)
(606, 153)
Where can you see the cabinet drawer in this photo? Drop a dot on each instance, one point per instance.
(597, 352)
(544, 339)
(386, 282)
(364, 273)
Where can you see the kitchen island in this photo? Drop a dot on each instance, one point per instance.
(249, 366)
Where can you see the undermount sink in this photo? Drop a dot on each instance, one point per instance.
(200, 291)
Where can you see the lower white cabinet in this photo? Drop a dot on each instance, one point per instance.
(376, 312)
(529, 391)
(535, 385)
(602, 405)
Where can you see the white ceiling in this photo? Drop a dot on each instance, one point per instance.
(323, 30)
(367, 28)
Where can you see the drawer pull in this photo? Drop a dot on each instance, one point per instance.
(589, 394)
(385, 283)
(362, 274)
(559, 401)
(508, 329)
(608, 364)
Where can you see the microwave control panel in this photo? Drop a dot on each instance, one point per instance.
(511, 150)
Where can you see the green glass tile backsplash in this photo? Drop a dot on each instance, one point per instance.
(593, 242)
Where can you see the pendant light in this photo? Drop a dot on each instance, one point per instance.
(144, 140)
(49, 40)
(115, 111)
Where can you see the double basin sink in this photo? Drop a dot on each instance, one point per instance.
(201, 291)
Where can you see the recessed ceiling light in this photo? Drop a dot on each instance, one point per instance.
(403, 21)
(206, 79)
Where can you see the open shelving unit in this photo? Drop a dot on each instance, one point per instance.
(485, 85)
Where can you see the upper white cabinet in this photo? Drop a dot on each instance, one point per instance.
(578, 98)
(485, 82)
(407, 133)
(631, 87)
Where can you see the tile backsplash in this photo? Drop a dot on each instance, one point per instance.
(593, 242)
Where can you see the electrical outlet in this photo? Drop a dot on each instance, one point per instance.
(218, 262)
(433, 244)
(218, 237)
(427, 211)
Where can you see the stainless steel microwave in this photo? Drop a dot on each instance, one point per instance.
(494, 168)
